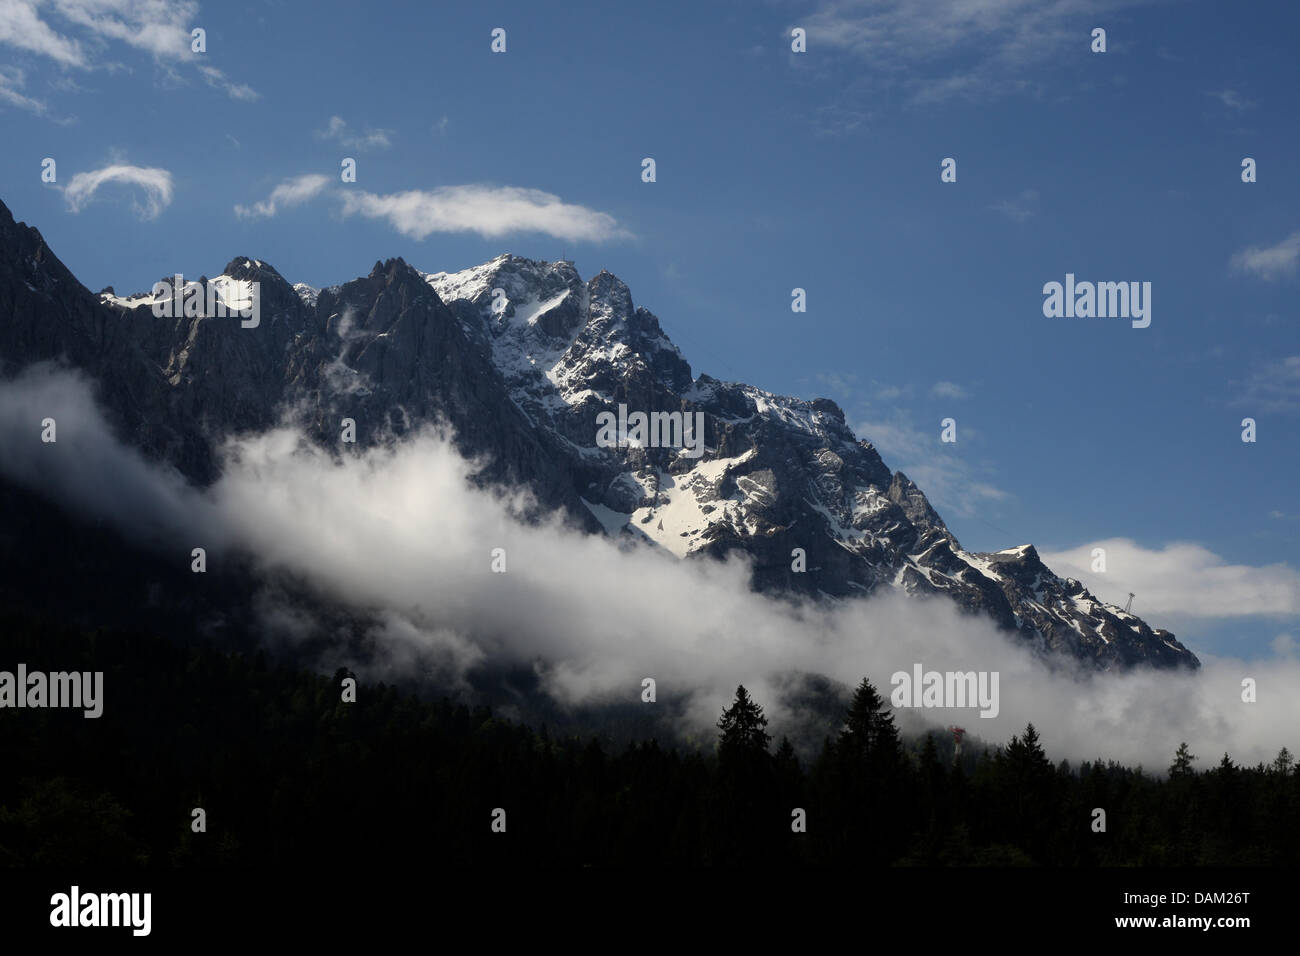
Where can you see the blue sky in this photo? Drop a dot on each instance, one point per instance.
(775, 170)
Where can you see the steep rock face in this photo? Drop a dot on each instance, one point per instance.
(392, 356)
(777, 473)
(382, 350)
(522, 357)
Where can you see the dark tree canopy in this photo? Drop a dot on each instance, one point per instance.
(278, 759)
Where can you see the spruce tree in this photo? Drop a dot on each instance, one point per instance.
(786, 759)
(869, 730)
(747, 818)
(1182, 765)
(931, 806)
(1283, 763)
(869, 780)
(742, 728)
(1027, 784)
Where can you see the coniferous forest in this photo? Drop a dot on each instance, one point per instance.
(287, 773)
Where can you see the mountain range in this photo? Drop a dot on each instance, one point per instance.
(521, 357)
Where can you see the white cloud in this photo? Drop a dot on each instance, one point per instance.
(21, 26)
(236, 91)
(159, 28)
(841, 385)
(1232, 100)
(948, 390)
(1269, 262)
(148, 503)
(1020, 209)
(1182, 580)
(1273, 388)
(938, 49)
(156, 183)
(839, 119)
(490, 211)
(291, 192)
(880, 391)
(401, 535)
(338, 131)
(12, 80)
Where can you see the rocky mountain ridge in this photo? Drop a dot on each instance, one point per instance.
(522, 357)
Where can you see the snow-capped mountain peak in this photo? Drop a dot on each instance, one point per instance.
(526, 360)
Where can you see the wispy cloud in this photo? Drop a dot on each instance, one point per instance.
(838, 385)
(1232, 100)
(159, 28)
(1269, 262)
(338, 131)
(22, 27)
(948, 390)
(1275, 387)
(938, 49)
(887, 392)
(1020, 209)
(1182, 579)
(219, 81)
(838, 119)
(950, 478)
(156, 183)
(12, 81)
(490, 211)
(291, 192)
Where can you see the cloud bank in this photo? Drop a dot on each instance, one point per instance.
(1181, 580)
(398, 532)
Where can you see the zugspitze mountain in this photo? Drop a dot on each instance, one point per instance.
(523, 358)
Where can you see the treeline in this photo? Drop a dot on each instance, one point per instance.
(288, 773)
